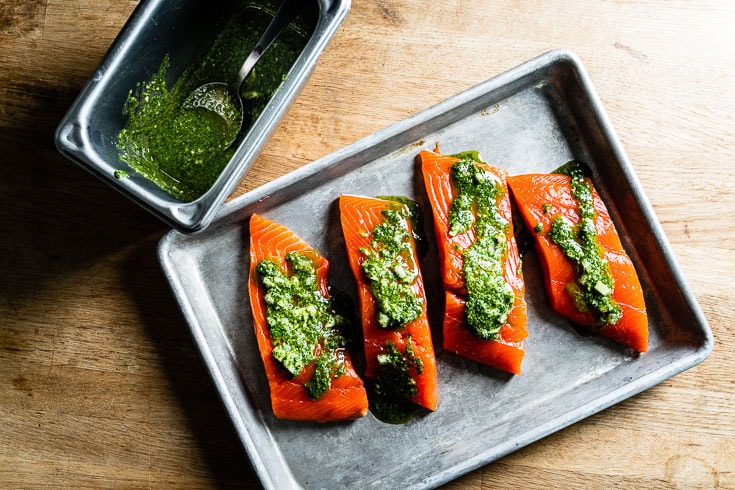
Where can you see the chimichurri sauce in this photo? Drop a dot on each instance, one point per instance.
(183, 151)
(593, 289)
(303, 326)
(394, 385)
(417, 221)
(489, 297)
(390, 269)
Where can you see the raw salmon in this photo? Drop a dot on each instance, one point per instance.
(346, 397)
(542, 197)
(359, 217)
(505, 352)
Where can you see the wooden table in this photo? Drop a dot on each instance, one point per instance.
(100, 382)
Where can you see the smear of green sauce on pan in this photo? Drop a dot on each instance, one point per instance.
(183, 151)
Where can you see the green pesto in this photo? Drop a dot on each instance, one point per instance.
(594, 286)
(184, 151)
(417, 222)
(489, 297)
(394, 384)
(302, 324)
(390, 269)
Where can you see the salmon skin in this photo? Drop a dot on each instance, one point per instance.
(499, 329)
(321, 384)
(611, 305)
(399, 354)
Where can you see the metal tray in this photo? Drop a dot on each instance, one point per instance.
(529, 119)
(87, 135)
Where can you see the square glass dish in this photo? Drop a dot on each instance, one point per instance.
(532, 118)
(182, 32)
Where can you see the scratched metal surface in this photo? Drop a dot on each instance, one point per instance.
(530, 119)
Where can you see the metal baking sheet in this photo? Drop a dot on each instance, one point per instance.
(530, 119)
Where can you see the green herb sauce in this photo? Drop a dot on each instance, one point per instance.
(489, 297)
(415, 216)
(183, 151)
(394, 384)
(594, 286)
(390, 269)
(302, 323)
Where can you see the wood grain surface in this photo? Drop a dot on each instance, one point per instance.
(101, 385)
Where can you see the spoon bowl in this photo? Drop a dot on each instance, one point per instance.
(224, 100)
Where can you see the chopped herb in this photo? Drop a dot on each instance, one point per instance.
(416, 218)
(594, 286)
(390, 269)
(303, 327)
(489, 297)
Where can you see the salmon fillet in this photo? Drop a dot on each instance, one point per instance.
(506, 351)
(542, 197)
(346, 397)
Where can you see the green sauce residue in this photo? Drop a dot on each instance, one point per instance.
(390, 269)
(489, 297)
(394, 384)
(183, 151)
(302, 324)
(594, 286)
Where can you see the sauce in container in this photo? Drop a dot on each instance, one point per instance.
(184, 151)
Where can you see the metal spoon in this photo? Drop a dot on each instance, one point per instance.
(224, 99)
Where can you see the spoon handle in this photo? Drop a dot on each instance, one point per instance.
(288, 10)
